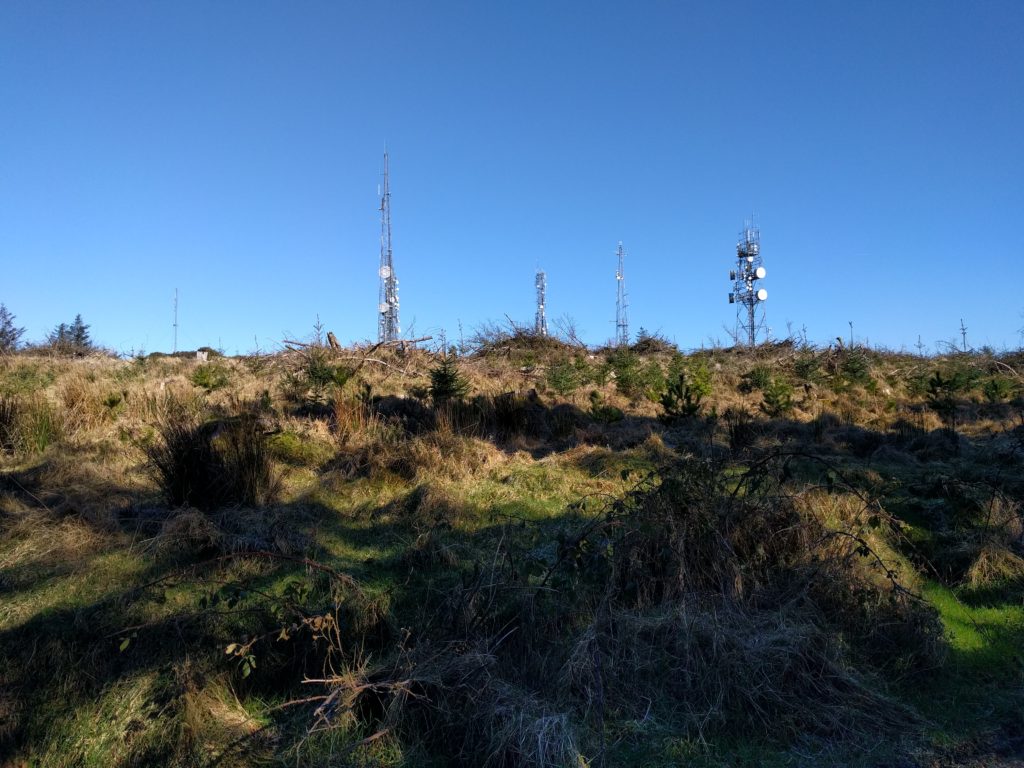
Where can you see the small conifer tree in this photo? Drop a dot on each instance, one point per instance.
(79, 332)
(446, 383)
(10, 334)
(681, 400)
(71, 339)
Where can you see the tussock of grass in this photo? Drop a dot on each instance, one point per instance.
(728, 669)
(296, 450)
(212, 463)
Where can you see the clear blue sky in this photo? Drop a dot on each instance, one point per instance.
(233, 150)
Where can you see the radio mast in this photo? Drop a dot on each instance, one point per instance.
(175, 320)
(388, 328)
(540, 321)
(748, 298)
(621, 317)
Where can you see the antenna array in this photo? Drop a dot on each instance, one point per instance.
(746, 295)
(540, 323)
(388, 328)
(621, 316)
(748, 298)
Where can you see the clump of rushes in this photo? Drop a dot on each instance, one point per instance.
(212, 463)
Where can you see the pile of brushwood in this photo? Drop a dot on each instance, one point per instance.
(709, 600)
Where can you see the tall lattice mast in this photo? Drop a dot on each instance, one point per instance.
(540, 322)
(388, 328)
(175, 320)
(748, 298)
(621, 315)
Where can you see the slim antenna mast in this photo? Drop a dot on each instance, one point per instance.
(621, 316)
(963, 333)
(175, 319)
(748, 298)
(540, 321)
(388, 328)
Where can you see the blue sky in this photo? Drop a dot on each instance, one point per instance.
(233, 150)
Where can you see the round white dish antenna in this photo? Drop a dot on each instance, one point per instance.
(750, 259)
(385, 271)
(762, 295)
(760, 272)
(382, 308)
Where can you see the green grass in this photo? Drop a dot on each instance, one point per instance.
(172, 696)
(985, 637)
(83, 583)
(298, 451)
(26, 379)
(981, 685)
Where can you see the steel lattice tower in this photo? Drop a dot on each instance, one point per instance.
(388, 328)
(540, 322)
(621, 315)
(748, 298)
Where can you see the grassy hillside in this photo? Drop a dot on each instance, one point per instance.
(533, 554)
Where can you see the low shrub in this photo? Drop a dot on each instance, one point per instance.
(697, 370)
(757, 378)
(602, 412)
(313, 379)
(998, 389)
(210, 376)
(652, 343)
(807, 368)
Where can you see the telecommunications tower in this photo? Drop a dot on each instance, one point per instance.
(175, 321)
(748, 298)
(540, 321)
(388, 328)
(621, 316)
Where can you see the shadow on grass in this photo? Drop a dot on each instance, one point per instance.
(413, 553)
(62, 660)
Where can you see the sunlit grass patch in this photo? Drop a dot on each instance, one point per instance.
(82, 583)
(981, 636)
(982, 681)
(115, 729)
(300, 451)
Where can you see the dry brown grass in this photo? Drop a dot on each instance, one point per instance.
(723, 667)
(717, 599)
